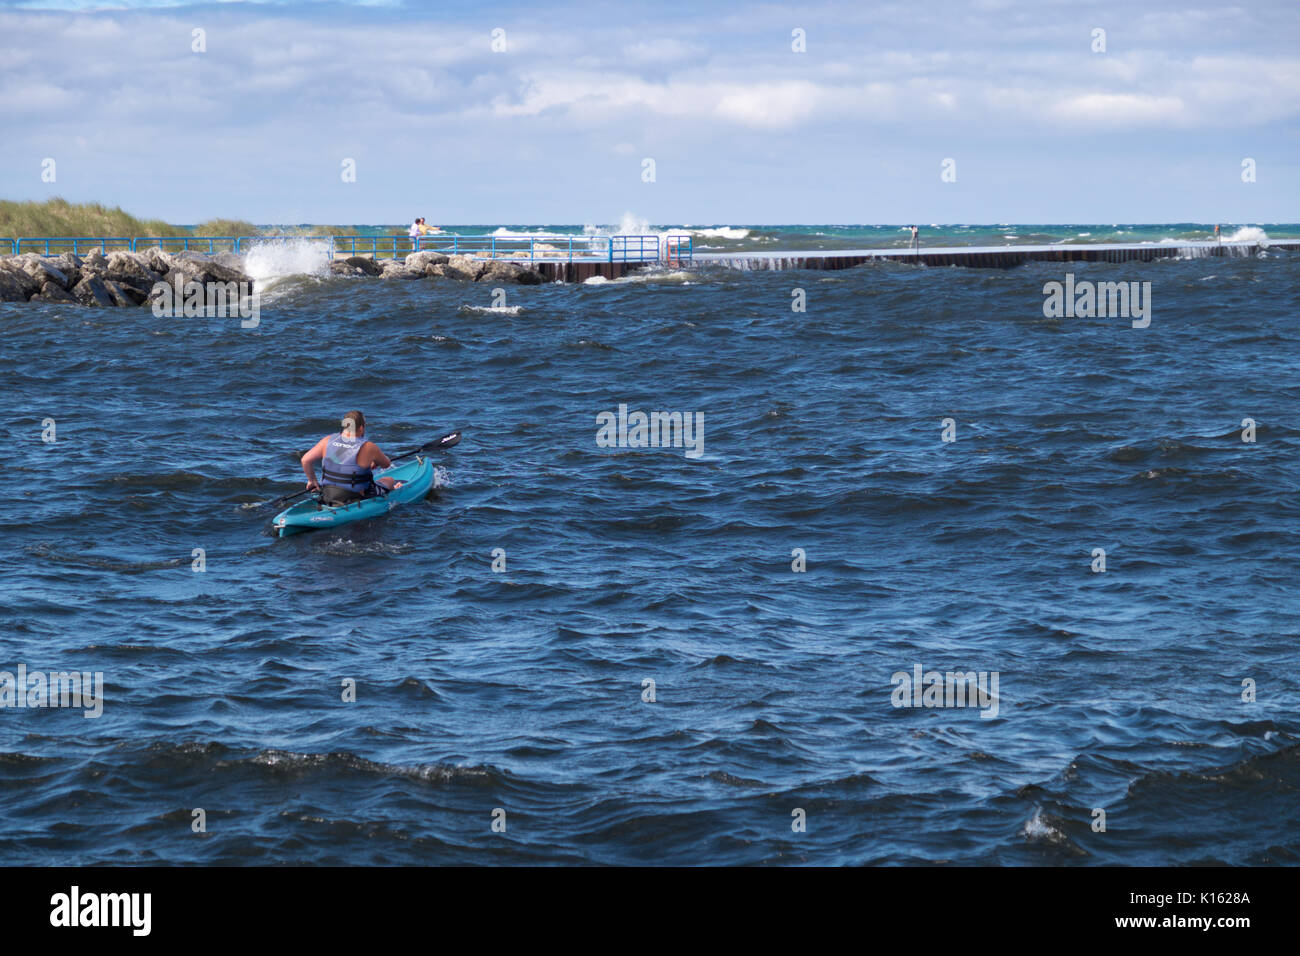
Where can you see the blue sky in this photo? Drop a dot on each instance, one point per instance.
(741, 128)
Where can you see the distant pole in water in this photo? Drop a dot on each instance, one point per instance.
(916, 243)
(1218, 238)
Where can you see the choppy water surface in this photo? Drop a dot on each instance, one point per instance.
(523, 690)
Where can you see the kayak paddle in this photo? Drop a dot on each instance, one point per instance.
(438, 444)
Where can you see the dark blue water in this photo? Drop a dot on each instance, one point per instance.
(522, 691)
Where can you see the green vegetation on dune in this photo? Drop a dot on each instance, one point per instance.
(225, 227)
(58, 217)
(313, 230)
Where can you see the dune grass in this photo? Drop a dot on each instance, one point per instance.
(58, 217)
(313, 230)
(225, 227)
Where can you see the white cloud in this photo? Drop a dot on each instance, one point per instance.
(285, 87)
(1121, 109)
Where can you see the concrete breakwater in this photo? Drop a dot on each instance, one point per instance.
(990, 257)
(163, 279)
(133, 279)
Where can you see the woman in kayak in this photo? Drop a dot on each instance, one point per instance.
(347, 462)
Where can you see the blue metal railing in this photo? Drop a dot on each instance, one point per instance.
(679, 249)
(517, 248)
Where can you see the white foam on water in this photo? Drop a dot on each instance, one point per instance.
(1248, 234)
(503, 233)
(1037, 830)
(630, 224)
(269, 262)
(720, 232)
(491, 309)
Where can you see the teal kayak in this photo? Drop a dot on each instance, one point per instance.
(416, 478)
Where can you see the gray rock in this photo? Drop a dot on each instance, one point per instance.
(366, 264)
(53, 292)
(396, 270)
(91, 290)
(230, 260)
(95, 261)
(216, 272)
(67, 262)
(157, 260)
(15, 284)
(16, 278)
(127, 294)
(129, 267)
(423, 260)
(463, 268)
(342, 268)
(510, 272)
(42, 271)
(500, 272)
(70, 265)
(189, 267)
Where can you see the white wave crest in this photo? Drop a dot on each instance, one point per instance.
(1248, 234)
(720, 232)
(268, 262)
(491, 309)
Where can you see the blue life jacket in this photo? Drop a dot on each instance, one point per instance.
(340, 464)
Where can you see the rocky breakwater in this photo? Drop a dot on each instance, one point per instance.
(438, 265)
(115, 279)
(141, 278)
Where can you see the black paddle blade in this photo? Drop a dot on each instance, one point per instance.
(438, 444)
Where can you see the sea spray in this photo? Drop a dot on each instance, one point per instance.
(271, 260)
